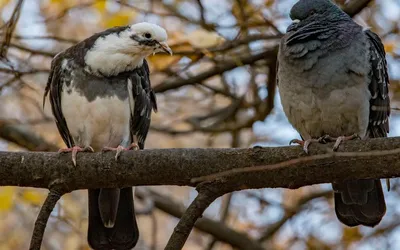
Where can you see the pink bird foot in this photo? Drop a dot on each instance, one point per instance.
(75, 150)
(119, 149)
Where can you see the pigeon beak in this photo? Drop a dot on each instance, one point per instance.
(165, 48)
(296, 21)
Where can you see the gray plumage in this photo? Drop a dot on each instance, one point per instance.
(333, 80)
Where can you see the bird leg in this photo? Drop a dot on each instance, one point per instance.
(323, 139)
(75, 150)
(119, 149)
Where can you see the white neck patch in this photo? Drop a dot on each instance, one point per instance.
(119, 52)
(114, 53)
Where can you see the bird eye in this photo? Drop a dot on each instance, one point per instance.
(147, 35)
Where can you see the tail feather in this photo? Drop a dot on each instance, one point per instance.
(359, 202)
(108, 205)
(124, 234)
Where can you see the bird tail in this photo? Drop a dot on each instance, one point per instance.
(112, 222)
(359, 202)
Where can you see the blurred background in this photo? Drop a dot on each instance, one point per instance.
(217, 90)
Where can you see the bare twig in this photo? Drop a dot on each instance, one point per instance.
(290, 212)
(10, 26)
(177, 83)
(43, 217)
(355, 6)
(56, 38)
(224, 215)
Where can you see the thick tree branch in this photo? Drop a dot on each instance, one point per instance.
(180, 166)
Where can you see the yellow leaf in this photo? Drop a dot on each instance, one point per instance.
(390, 47)
(203, 39)
(119, 19)
(160, 61)
(100, 5)
(3, 3)
(6, 198)
(34, 197)
(269, 3)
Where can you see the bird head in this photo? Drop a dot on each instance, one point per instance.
(149, 38)
(121, 49)
(306, 11)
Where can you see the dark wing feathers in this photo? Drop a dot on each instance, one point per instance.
(144, 103)
(379, 103)
(54, 87)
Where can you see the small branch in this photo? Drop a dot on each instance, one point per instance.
(181, 232)
(10, 26)
(202, 12)
(43, 217)
(218, 69)
(225, 212)
(215, 228)
(34, 51)
(355, 6)
(290, 212)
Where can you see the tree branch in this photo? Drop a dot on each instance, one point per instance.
(218, 69)
(180, 166)
(43, 217)
(356, 6)
(24, 137)
(220, 231)
(181, 232)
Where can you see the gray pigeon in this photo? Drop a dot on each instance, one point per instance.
(101, 98)
(333, 83)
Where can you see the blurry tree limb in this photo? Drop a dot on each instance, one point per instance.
(33, 51)
(24, 137)
(9, 29)
(219, 230)
(224, 215)
(355, 6)
(290, 212)
(218, 69)
(56, 38)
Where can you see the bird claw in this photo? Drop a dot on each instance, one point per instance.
(305, 143)
(74, 150)
(119, 149)
(341, 139)
(323, 139)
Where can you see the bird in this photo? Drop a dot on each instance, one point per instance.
(101, 97)
(333, 83)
